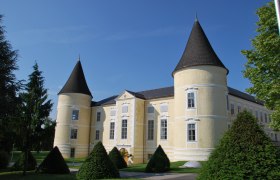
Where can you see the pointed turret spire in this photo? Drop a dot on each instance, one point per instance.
(76, 82)
(198, 51)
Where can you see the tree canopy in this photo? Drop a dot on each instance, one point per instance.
(262, 67)
(244, 152)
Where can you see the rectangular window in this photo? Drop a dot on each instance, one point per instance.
(163, 129)
(163, 108)
(227, 102)
(276, 139)
(238, 109)
(112, 130)
(97, 134)
(151, 109)
(265, 117)
(113, 112)
(124, 129)
(124, 109)
(261, 116)
(232, 109)
(150, 129)
(75, 114)
(72, 152)
(191, 132)
(191, 100)
(98, 116)
(74, 133)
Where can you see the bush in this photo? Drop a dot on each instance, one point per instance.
(31, 162)
(98, 165)
(159, 162)
(54, 163)
(117, 158)
(244, 152)
(4, 159)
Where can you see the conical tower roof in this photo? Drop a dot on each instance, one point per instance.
(198, 51)
(76, 82)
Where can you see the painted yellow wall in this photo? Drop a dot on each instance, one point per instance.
(66, 104)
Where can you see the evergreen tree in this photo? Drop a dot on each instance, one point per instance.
(8, 91)
(159, 162)
(117, 158)
(262, 67)
(54, 163)
(98, 165)
(25, 162)
(244, 152)
(36, 107)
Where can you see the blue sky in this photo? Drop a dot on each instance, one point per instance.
(124, 44)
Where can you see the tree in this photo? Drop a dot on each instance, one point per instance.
(8, 91)
(244, 152)
(262, 67)
(117, 158)
(159, 162)
(48, 132)
(36, 106)
(54, 163)
(22, 163)
(98, 165)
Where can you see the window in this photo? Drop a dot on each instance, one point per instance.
(163, 108)
(124, 109)
(191, 100)
(75, 114)
(265, 117)
(227, 102)
(98, 116)
(163, 129)
(232, 109)
(112, 130)
(276, 139)
(97, 133)
(74, 133)
(191, 132)
(151, 109)
(150, 129)
(124, 129)
(113, 112)
(257, 115)
(261, 116)
(238, 109)
(72, 152)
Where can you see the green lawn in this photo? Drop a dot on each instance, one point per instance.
(38, 156)
(174, 168)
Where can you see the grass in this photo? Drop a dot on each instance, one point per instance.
(174, 168)
(38, 156)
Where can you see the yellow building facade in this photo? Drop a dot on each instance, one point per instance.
(186, 119)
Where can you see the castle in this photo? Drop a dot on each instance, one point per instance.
(187, 119)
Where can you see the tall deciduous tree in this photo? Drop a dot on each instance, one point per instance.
(8, 91)
(263, 65)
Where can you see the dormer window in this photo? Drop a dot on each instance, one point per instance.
(75, 114)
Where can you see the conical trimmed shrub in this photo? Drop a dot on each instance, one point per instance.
(244, 152)
(54, 163)
(117, 158)
(159, 162)
(31, 162)
(98, 165)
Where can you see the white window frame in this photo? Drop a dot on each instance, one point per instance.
(188, 91)
(98, 119)
(72, 135)
(161, 129)
(192, 121)
(150, 131)
(74, 116)
(112, 131)
(124, 129)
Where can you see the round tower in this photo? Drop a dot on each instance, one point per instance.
(200, 97)
(73, 116)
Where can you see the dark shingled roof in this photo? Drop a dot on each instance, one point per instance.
(198, 51)
(169, 92)
(76, 82)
